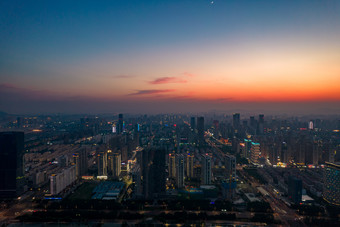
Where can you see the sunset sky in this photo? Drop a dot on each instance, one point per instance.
(169, 56)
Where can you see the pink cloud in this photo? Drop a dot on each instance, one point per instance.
(151, 92)
(166, 80)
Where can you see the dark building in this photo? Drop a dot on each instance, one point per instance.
(294, 189)
(260, 129)
(153, 172)
(200, 129)
(236, 120)
(80, 161)
(120, 126)
(193, 123)
(11, 164)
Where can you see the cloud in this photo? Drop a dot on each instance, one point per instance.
(188, 74)
(166, 80)
(151, 92)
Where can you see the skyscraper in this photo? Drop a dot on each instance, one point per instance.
(114, 164)
(206, 169)
(120, 125)
(236, 120)
(153, 171)
(193, 123)
(11, 164)
(229, 184)
(331, 186)
(102, 163)
(261, 124)
(180, 170)
(200, 129)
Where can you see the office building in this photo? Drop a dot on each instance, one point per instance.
(236, 121)
(153, 172)
(331, 186)
(193, 123)
(206, 169)
(120, 125)
(12, 179)
(102, 163)
(294, 189)
(229, 184)
(200, 130)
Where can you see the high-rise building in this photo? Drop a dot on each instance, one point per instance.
(80, 161)
(180, 170)
(294, 189)
(153, 171)
(172, 165)
(206, 169)
(102, 163)
(120, 125)
(193, 123)
(261, 125)
(331, 185)
(255, 152)
(229, 184)
(200, 129)
(236, 120)
(190, 166)
(117, 162)
(11, 164)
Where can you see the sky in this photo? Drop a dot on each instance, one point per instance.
(154, 56)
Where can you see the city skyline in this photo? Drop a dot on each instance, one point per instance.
(170, 56)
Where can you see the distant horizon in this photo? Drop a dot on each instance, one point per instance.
(170, 56)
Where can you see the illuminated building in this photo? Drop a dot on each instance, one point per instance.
(172, 166)
(180, 170)
(331, 186)
(11, 164)
(294, 189)
(255, 152)
(206, 169)
(190, 166)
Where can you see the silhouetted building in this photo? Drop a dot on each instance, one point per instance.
(294, 189)
(260, 129)
(172, 165)
(193, 123)
(236, 120)
(154, 175)
(229, 184)
(200, 129)
(331, 186)
(11, 164)
(120, 125)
